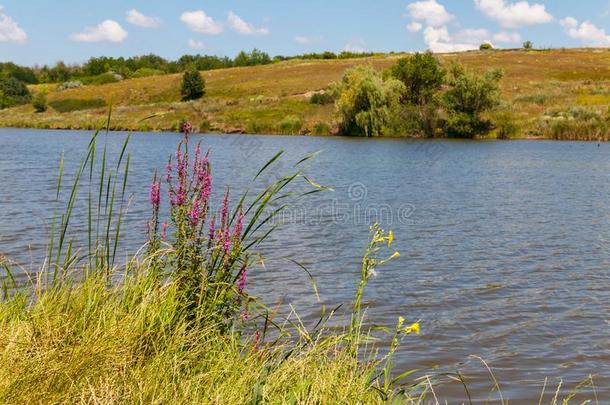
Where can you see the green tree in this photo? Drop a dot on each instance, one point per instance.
(40, 102)
(469, 95)
(422, 76)
(486, 47)
(365, 101)
(528, 45)
(193, 85)
(14, 92)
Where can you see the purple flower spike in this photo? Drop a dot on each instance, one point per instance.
(239, 225)
(224, 212)
(241, 281)
(187, 128)
(194, 213)
(155, 193)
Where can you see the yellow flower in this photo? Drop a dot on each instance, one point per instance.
(414, 328)
(390, 238)
(395, 255)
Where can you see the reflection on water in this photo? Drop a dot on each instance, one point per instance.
(505, 245)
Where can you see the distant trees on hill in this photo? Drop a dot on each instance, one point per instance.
(147, 65)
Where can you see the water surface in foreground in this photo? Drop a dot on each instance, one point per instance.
(505, 246)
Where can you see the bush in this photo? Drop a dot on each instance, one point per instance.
(40, 102)
(13, 92)
(422, 76)
(290, 125)
(486, 47)
(321, 128)
(322, 98)
(528, 45)
(574, 124)
(366, 100)
(193, 85)
(505, 125)
(468, 96)
(73, 104)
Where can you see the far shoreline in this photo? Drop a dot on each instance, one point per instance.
(411, 138)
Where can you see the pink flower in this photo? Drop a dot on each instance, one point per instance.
(241, 281)
(239, 224)
(224, 212)
(194, 213)
(155, 193)
(186, 128)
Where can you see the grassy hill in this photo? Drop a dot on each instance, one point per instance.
(538, 85)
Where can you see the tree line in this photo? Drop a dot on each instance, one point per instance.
(147, 65)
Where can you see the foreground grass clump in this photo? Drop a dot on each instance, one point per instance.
(134, 342)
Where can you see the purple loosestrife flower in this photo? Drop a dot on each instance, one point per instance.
(241, 281)
(194, 213)
(238, 228)
(224, 212)
(186, 128)
(155, 193)
(226, 242)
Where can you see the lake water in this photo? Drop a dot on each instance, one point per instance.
(505, 246)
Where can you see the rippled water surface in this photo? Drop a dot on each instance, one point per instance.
(505, 246)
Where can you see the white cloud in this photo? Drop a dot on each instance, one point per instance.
(106, 31)
(197, 44)
(507, 37)
(438, 39)
(304, 40)
(243, 27)
(10, 31)
(356, 46)
(431, 12)
(586, 32)
(414, 26)
(141, 20)
(514, 15)
(199, 21)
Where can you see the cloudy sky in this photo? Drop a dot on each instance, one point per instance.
(42, 31)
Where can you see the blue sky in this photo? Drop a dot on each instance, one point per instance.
(43, 31)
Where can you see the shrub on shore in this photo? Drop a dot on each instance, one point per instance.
(193, 85)
(574, 124)
(40, 102)
(13, 92)
(468, 96)
(366, 100)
